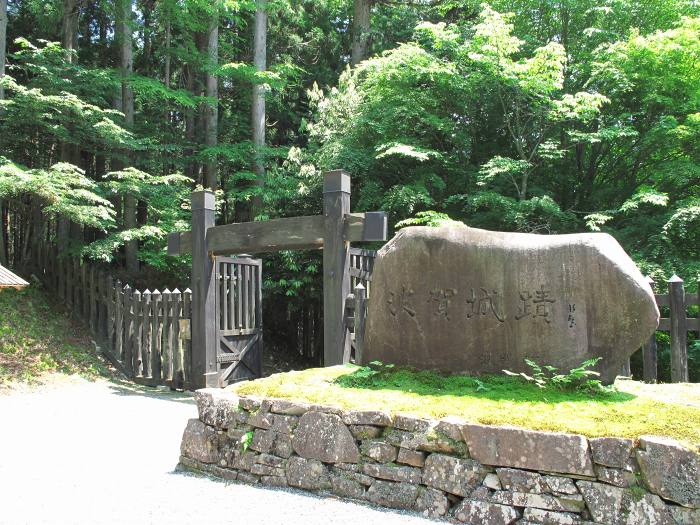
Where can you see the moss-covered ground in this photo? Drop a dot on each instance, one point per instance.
(38, 339)
(632, 409)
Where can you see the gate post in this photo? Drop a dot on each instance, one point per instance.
(204, 321)
(336, 266)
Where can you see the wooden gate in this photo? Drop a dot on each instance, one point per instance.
(239, 317)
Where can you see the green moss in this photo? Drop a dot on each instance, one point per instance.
(632, 410)
(37, 338)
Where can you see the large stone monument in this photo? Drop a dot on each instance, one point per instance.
(464, 300)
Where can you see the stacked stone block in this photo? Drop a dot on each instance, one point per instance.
(444, 469)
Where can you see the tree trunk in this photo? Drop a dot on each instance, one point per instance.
(258, 110)
(212, 110)
(3, 43)
(168, 39)
(69, 29)
(125, 38)
(360, 31)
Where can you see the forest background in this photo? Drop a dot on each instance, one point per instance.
(543, 116)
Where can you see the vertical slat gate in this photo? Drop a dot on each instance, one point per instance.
(239, 319)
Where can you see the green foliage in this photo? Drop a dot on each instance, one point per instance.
(426, 218)
(246, 440)
(578, 379)
(494, 400)
(36, 339)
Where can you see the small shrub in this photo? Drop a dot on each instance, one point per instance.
(580, 379)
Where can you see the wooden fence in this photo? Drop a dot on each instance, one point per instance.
(144, 334)
(678, 324)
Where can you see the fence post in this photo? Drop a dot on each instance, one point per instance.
(679, 332)
(204, 367)
(360, 315)
(336, 266)
(649, 351)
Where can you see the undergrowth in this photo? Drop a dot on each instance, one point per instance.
(38, 338)
(630, 410)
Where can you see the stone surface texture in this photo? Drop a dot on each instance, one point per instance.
(670, 470)
(464, 300)
(445, 469)
(528, 449)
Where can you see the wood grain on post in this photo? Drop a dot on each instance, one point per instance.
(119, 321)
(650, 360)
(259, 319)
(187, 343)
(176, 343)
(679, 346)
(336, 269)
(204, 332)
(109, 307)
(128, 310)
(136, 339)
(156, 335)
(360, 318)
(146, 305)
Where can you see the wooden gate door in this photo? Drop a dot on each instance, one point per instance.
(239, 317)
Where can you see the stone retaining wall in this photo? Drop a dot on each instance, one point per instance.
(448, 468)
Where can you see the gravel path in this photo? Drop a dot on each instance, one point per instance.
(93, 453)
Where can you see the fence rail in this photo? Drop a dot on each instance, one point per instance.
(144, 334)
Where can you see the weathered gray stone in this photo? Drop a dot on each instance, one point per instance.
(539, 501)
(216, 407)
(366, 417)
(548, 517)
(324, 437)
(379, 451)
(289, 408)
(260, 419)
(529, 449)
(223, 473)
(266, 470)
(492, 481)
(451, 428)
(670, 470)
(200, 442)
(247, 477)
(343, 470)
(283, 424)
(481, 493)
(616, 506)
(432, 503)
(249, 403)
(429, 441)
(610, 451)
(282, 446)
(411, 423)
(242, 460)
(270, 460)
(391, 494)
(309, 474)
(453, 475)
(404, 474)
(361, 432)
(262, 440)
(345, 487)
(521, 480)
(415, 458)
(560, 485)
(685, 516)
(274, 481)
(465, 300)
(615, 476)
(485, 513)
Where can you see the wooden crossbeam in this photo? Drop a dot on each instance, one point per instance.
(293, 233)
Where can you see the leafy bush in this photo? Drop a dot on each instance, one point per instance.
(577, 379)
